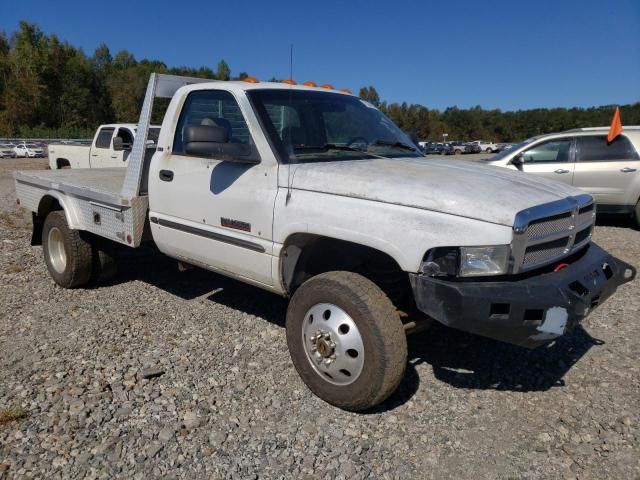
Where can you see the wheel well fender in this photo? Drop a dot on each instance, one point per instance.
(62, 162)
(50, 202)
(304, 255)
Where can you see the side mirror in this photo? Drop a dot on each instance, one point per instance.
(118, 146)
(213, 141)
(518, 161)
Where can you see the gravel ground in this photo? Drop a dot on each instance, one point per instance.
(186, 375)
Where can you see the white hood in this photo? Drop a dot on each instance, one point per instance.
(456, 187)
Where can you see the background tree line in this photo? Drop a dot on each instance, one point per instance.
(49, 88)
(476, 123)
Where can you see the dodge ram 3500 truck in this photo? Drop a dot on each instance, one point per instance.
(315, 195)
(110, 148)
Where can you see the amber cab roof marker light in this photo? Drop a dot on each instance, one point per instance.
(251, 80)
(309, 83)
(327, 86)
(290, 81)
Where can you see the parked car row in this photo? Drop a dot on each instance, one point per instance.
(21, 149)
(457, 147)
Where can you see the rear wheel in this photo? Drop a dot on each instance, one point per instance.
(346, 340)
(458, 152)
(68, 256)
(488, 150)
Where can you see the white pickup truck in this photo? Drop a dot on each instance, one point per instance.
(489, 147)
(110, 147)
(315, 195)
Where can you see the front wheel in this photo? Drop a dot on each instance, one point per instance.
(346, 340)
(488, 150)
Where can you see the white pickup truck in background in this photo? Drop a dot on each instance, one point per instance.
(110, 148)
(316, 195)
(489, 147)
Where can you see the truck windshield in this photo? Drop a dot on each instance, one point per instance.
(311, 126)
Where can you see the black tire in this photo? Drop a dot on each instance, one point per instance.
(637, 215)
(488, 150)
(381, 330)
(458, 152)
(78, 264)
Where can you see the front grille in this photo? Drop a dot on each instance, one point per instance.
(582, 236)
(543, 227)
(550, 232)
(539, 253)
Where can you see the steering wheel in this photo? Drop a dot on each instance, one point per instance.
(360, 140)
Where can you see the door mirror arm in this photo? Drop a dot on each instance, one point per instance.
(518, 161)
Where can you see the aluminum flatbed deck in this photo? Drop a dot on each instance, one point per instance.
(99, 184)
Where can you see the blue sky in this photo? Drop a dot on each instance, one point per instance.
(497, 54)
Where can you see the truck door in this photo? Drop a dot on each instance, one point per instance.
(101, 149)
(552, 159)
(215, 213)
(607, 170)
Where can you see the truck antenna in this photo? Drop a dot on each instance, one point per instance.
(291, 61)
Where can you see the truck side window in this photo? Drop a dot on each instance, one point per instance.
(104, 137)
(212, 107)
(595, 148)
(553, 151)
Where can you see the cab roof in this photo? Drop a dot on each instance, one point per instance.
(241, 85)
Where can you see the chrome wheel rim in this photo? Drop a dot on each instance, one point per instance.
(57, 253)
(333, 344)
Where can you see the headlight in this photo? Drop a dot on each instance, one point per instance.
(466, 261)
(479, 261)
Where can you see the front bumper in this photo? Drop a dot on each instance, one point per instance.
(529, 311)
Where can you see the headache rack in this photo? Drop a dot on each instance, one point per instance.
(550, 232)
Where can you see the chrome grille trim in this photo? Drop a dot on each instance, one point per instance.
(548, 225)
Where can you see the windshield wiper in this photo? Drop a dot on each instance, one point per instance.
(328, 146)
(401, 145)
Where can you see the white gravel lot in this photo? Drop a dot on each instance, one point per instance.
(186, 375)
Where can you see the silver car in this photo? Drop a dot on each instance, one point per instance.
(583, 158)
(6, 151)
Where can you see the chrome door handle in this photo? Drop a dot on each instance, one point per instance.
(560, 170)
(114, 156)
(627, 170)
(94, 154)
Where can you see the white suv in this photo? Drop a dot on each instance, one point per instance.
(583, 158)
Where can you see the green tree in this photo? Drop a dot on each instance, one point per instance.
(223, 72)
